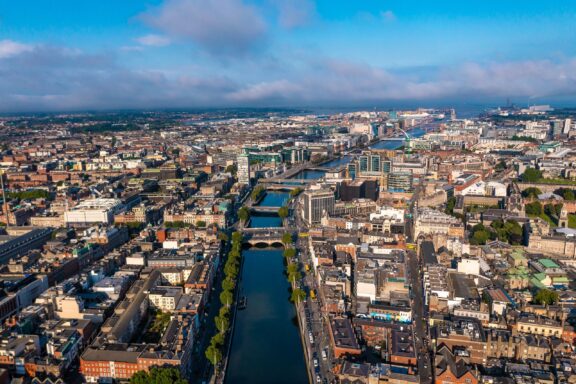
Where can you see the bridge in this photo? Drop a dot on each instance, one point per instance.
(280, 187)
(258, 208)
(265, 236)
(293, 182)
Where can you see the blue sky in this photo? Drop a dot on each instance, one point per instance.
(113, 54)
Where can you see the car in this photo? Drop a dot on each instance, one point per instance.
(315, 362)
(318, 379)
(324, 354)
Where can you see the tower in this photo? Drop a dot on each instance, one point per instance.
(563, 220)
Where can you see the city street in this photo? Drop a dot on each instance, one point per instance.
(420, 318)
(310, 313)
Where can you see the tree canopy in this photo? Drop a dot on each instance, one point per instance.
(531, 175)
(158, 375)
(546, 296)
(531, 192)
(244, 214)
(283, 212)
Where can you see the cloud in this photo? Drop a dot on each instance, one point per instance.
(294, 13)
(153, 40)
(51, 78)
(221, 27)
(388, 16)
(9, 48)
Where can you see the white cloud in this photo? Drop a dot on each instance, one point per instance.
(221, 27)
(154, 40)
(9, 48)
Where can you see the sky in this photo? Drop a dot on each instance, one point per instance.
(68, 55)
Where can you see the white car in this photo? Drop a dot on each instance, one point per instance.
(315, 363)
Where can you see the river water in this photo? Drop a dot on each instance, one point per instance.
(266, 347)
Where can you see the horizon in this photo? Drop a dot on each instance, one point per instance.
(180, 54)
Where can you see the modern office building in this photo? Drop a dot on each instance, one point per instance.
(400, 181)
(316, 202)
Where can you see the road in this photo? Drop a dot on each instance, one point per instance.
(314, 322)
(420, 318)
(419, 311)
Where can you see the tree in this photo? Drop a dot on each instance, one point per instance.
(283, 212)
(244, 214)
(222, 323)
(226, 298)
(289, 253)
(236, 237)
(293, 277)
(531, 192)
(297, 296)
(501, 165)
(213, 354)
(201, 224)
(257, 192)
(546, 296)
(450, 204)
(231, 270)
(224, 311)
(567, 194)
(159, 375)
(217, 340)
(531, 175)
(287, 238)
(534, 209)
(222, 236)
(479, 235)
(296, 191)
(228, 284)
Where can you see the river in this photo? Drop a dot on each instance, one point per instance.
(266, 347)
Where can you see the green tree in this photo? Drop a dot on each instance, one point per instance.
(226, 298)
(201, 224)
(283, 212)
(257, 192)
(287, 238)
(158, 375)
(297, 296)
(531, 192)
(546, 296)
(231, 270)
(534, 209)
(567, 194)
(228, 284)
(450, 204)
(222, 323)
(213, 354)
(244, 214)
(218, 340)
(236, 237)
(289, 253)
(293, 277)
(295, 192)
(531, 175)
(224, 311)
(222, 236)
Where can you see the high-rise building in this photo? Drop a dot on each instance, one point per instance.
(244, 169)
(316, 203)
